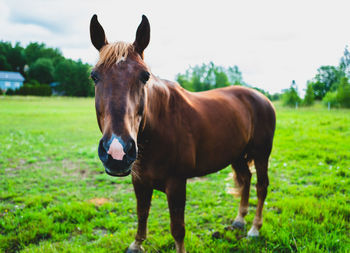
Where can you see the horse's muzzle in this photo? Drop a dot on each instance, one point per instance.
(116, 167)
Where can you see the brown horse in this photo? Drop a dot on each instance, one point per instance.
(163, 134)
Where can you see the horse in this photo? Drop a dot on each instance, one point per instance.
(163, 135)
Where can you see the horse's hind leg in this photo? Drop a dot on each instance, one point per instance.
(261, 165)
(243, 177)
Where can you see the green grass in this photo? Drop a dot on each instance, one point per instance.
(50, 178)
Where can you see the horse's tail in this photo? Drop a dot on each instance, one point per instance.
(240, 176)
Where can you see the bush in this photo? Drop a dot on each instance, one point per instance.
(30, 89)
(42, 70)
(340, 97)
(34, 89)
(343, 93)
(275, 97)
(1, 92)
(309, 96)
(32, 82)
(331, 97)
(290, 96)
(10, 92)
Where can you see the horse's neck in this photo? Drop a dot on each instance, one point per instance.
(165, 101)
(159, 95)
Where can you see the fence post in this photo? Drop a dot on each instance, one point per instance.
(296, 105)
(329, 106)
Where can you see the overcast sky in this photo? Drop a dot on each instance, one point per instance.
(272, 42)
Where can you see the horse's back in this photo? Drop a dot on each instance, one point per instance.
(230, 120)
(262, 117)
(240, 103)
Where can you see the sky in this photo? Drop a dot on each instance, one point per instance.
(272, 42)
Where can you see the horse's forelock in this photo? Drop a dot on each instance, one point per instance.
(114, 53)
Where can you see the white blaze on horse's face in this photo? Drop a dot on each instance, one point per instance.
(116, 150)
(120, 77)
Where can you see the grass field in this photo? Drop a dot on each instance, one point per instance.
(55, 196)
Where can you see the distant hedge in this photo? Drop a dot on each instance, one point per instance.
(31, 89)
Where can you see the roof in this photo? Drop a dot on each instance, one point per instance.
(11, 76)
(54, 84)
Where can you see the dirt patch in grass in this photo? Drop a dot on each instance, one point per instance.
(99, 201)
(77, 168)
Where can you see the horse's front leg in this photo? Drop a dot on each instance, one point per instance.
(143, 196)
(176, 194)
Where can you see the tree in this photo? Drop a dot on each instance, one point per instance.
(234, 76)
(309, 95)
(42, 70)
(209, 76)
(221, 79)
(34, 51)
(4, 65)
(45, 66)
(319, 89)
(16, 58)
(344, 64)
(331, 83)
(275, 96)
(326, 79)
(73, 78)
(290, 96)
(183, 80)
(196, 83)
(331, 98)
(343, 94)
(12, 58)
(5, 48)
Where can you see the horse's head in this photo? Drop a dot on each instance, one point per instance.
(120, 77)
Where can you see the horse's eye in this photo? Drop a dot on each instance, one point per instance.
(144, 76)
(94, 77)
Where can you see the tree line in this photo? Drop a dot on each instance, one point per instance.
(330, 85)
(41, 65)
(210, 76)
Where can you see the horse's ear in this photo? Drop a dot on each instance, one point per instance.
(97, 34)
(143, 34)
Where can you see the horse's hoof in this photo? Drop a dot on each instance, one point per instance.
(253, 233)
(135, 248)
(236, 225)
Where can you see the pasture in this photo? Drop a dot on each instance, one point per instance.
(55, 196)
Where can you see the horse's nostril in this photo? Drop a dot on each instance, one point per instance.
(130, 149)
(128, 146)
(102, 153)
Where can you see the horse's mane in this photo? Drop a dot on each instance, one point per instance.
(114, 53)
